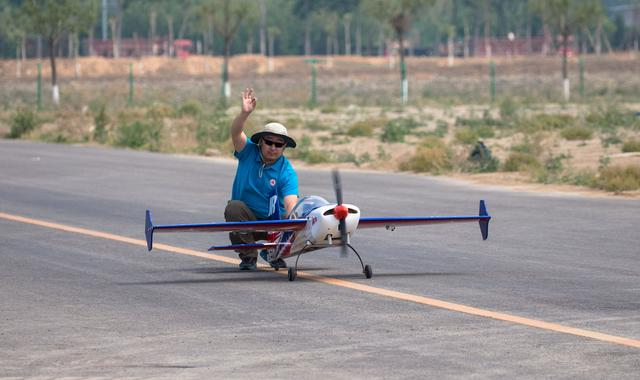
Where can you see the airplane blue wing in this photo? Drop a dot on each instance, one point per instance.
(253, 226)
(392, 222)
(248, 246)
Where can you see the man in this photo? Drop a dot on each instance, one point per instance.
(265, 186)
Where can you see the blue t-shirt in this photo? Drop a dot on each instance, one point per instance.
(255, 182)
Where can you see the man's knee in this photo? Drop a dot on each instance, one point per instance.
(238, 211)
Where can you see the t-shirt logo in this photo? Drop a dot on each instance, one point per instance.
(272, 182)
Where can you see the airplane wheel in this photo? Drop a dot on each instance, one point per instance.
(292, 274)
(368, 272)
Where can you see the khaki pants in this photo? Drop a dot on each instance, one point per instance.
(238, 211)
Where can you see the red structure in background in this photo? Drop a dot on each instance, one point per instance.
(138, 47)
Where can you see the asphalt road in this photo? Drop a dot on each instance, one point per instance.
(83, 305)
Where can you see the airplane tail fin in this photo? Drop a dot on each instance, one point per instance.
(484, 222)
(148, 230)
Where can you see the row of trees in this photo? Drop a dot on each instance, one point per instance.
(271, 27)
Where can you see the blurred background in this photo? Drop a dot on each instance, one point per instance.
(521, 90)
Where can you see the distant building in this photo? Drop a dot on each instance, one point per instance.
(138, 47)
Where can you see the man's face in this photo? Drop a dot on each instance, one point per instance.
(269, 148)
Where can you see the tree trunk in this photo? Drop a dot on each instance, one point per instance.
(487, 39)
(250, 43)
(359, 37)
(225, 71)
(116, 49)
(450, 46)
(263, 28)
(307, 39)
(565, 54)
(170, 26)
(39, 47)
(54, 72)
(152, 32)
(466, 39)
(598, 38)
(346, 20)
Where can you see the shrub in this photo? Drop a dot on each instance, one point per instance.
(619, 179)
(466, 136)
(508, 109)
(315, 125)
(577, 133)
(431, 156)
(361, 128)
(610, 117)
(100, 119)
(23, 121)
(395, 130)
(212, 130)
(517, 162)
(530, 145)
(631, 146)
(546, 122)
(139, 135)
(190, 108)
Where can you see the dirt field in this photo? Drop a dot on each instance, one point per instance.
(350, 90)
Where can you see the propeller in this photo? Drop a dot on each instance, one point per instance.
(340, 212)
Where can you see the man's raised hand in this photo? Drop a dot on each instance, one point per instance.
(248, 101)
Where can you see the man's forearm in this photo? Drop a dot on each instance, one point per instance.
(237, 127)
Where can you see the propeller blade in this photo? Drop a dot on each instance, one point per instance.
(337, 186)
(343, 238)
(342, 225)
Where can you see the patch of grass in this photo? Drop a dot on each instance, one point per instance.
(213, 131)
(618, 179)
(551, 171)
(518, 162)
(546, 122)
(315, 125)
(466, 136)
(610, 117)
(158, 111)
(190, 108)
(631, 146)
(395, 130)
(530, 145)
(431, 156)
(577, 132)
(139, 135)
(306, 153)
(508, 109)
(23, 121)
(365, 127)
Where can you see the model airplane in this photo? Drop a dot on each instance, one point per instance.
(314, 224)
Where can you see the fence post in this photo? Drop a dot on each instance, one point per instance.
(130, 101)
(492, 79)
(581, 64)
(39, 87)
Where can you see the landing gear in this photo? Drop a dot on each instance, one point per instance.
(293, 272)
(368, 272)
(366, 269)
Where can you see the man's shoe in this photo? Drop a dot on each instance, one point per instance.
(248, 263)
(278, 264)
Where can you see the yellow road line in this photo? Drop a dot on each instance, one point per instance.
(348, 284)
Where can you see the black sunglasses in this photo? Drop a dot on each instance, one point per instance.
(272, 143)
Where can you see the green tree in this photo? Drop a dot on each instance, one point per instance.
(52, 18)
(565, 17)
(399, 14)
(227, 16)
